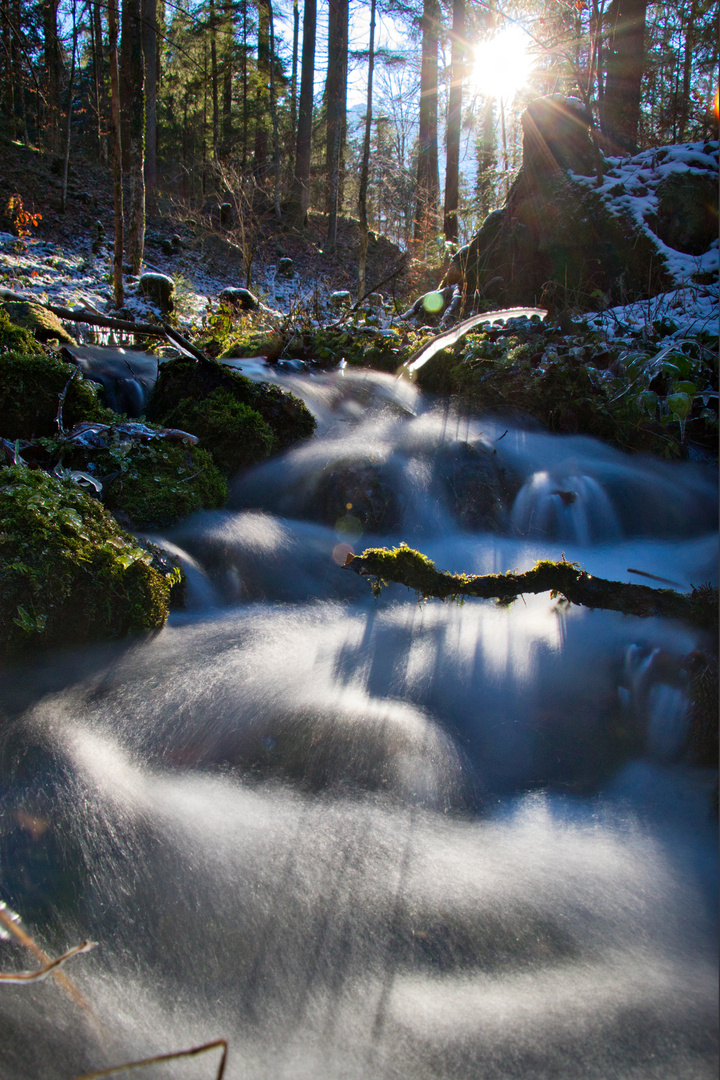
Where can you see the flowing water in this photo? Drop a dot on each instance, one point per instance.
(376, 838)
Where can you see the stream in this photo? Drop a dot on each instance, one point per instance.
(368, 838)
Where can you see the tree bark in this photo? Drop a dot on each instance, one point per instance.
(150, 57)
(273, 113)
(133, 87)
(117, 152)
(214, 80)
(336, 97)
(407, 567)
(68, 123)
(52, 63)
(428, 179)
(365, 167)
(625, 65)
(261, 96)
(452, 171)
(300, 196)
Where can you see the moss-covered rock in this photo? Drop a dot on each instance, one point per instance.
(154, 483)
(359, 346)
(267, 343)
(14, 338)
(30, 387)
(40, 322)
(68, 574)
(235, 434)
(287, 416)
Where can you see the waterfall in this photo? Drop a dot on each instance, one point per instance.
(365, 837)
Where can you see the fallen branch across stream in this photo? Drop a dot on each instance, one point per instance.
(107, 322)
(405, 566)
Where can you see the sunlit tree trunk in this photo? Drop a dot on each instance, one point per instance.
(117, 152)
(300, 196)
(336, 97)
(452, 172)
(428, 180)
(365, 167)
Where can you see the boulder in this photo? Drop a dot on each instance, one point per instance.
(340, 299)
(239, 298)
(286, 267)
(559, 240)
(159, 288)
(38, 320)
(687, 213)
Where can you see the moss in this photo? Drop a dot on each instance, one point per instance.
(287, 416)
(40, 322)
(359, 347)
(68, 573)
(255, 343)
(14, 338)
(30, 388)
(576, 380)
(234, 433)
(155, 484)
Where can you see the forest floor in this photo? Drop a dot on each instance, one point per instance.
(57, 257)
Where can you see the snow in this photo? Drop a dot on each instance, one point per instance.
(73, 276)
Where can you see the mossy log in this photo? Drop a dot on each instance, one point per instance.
(566, 579)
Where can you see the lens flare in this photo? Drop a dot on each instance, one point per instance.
(503, 64)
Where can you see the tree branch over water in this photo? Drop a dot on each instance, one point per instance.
(405, 566)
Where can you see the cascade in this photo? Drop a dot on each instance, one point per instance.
(364, 837)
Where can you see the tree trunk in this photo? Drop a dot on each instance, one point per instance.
(336, 96)
(261, 97)
(117, 152)
(68, 124)
(625, 64)
(227, 78)
(150, 57)
(365, 167)
(428, 180)
(273, 113)
(300, 197)
(133, 86)
(214, 79)
(52, 63)
(452, 171)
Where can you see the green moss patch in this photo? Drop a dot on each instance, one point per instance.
(30, 387)
(287, 417)
(579, 381)
(40, 322)
(235, 434)
(68, 573)
(14, 338)
(154, 483)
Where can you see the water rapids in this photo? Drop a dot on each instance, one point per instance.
(367, 838)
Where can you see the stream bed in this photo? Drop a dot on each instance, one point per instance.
(379, 838)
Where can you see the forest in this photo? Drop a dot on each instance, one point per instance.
(358, 539)
(394, 112)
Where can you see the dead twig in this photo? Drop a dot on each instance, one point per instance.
(165, 1057)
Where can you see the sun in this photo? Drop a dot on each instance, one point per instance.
(503, 64)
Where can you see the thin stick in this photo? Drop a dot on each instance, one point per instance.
(165, 1057)
(43, 972)
(24, 938)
